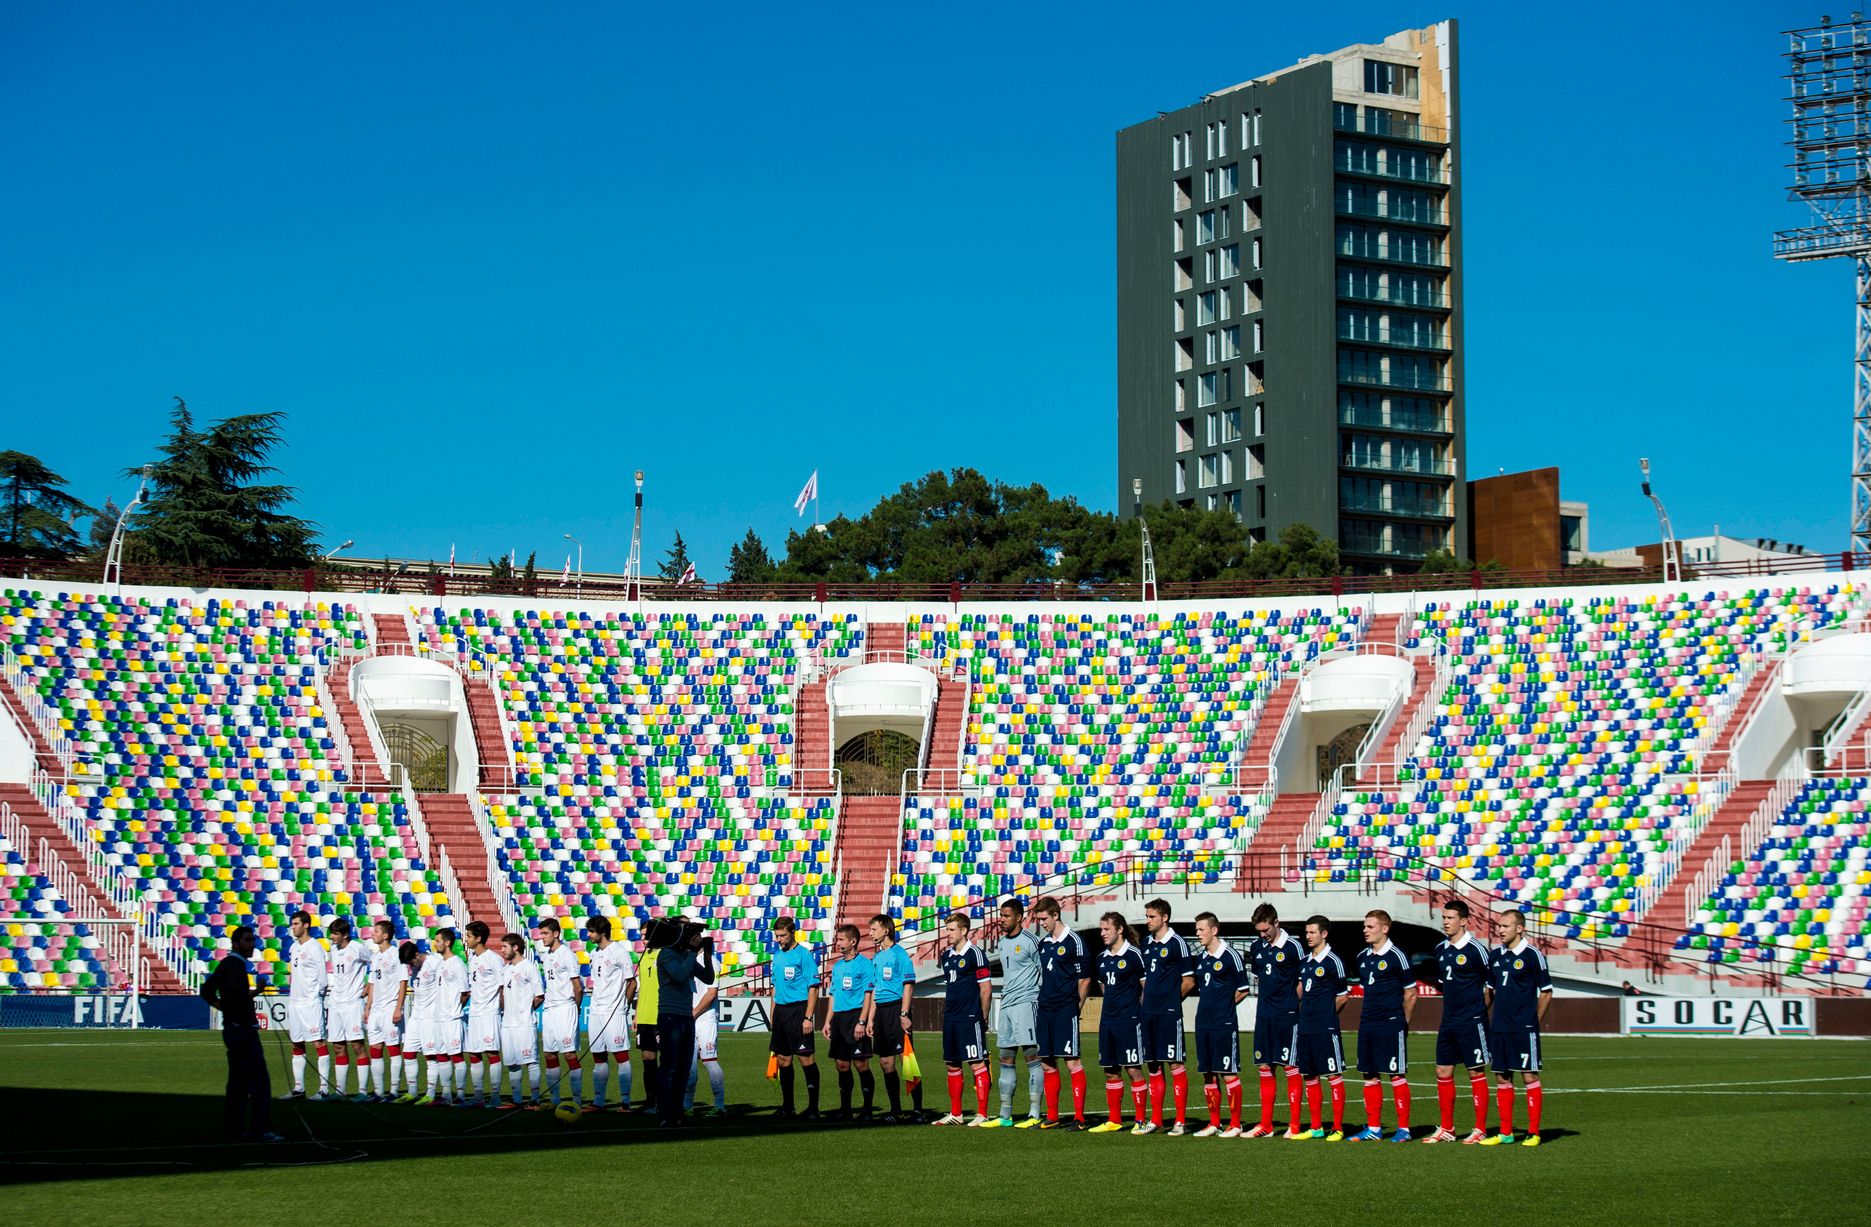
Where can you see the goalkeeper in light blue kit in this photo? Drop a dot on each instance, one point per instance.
(1015, 1025)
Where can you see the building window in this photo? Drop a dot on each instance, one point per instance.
(1257, 536)
(1205, 306)
(1210, 181)
(1256, 378)
(1260, 336)
(1257, 132)
(1212, 427)
(1182, 194)
(1250, 216)
(1260, 502)
(1181, 151)
(1397, 80)
(1256, 462)
(1234, 503)
(1205, 227)
(1231, 341)
(1230, 179)
(1212, 502)
(1208, 471)
(1231, 426)
(1227, 468)
(1226, 300)
(1250, 293)
(1231, 260)
(1185, 353)
(1178, 235)
(1246, 131)
(1181, 313)
(1182, 477)
(1256, 254)
(1227, 383)
(1253, 171)
(1212, 348)
(1260, 417)
(1185, 435)
(1182, 396)
(1185, 273)
(1205, 390)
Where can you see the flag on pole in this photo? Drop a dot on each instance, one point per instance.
(513, 556)
(451, 557)
(565, 577)
(808, 494)
(688, 575)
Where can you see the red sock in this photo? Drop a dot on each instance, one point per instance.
(1312, 1099)
(1373, 1105)
(1156, 1097)
(1266, 1099)
(1179, 1087)
(981, 1085)
(1504, 1104)
(1233, 1086)
(1535, 1098)
(1212, 1093)
(1114, 1097)
(1050, 1081)
(1293, 1083)
(1445, 1100)
(954, 1092)
(1078, 1094)
(1478, 1087)
(1400, 1095)
(1338, 1104)
(1139, 1099)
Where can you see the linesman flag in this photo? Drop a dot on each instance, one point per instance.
(808, 494)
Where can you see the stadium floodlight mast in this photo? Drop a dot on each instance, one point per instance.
(1672, 557)
(578, 593)
(633, 568)
(336, 550)
(1149, 557)
(113, 558)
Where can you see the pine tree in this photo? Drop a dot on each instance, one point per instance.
(749, 562)
(678, 560)
(35, 512)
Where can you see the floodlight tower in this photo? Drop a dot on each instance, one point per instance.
(1149, 555)
(1830, 67)
(633, 567)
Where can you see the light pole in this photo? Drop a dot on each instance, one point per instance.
(1672, 559)
(113, 557)
(334, 551)
(1149, 558)
(578, 593)
(633, 569)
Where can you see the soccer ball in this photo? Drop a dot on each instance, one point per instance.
(567, 1113)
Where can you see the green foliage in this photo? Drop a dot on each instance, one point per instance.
(529, 576)
(36, 514)
(749, 562)
(1443, 562)
(206, 508)
(677, 560)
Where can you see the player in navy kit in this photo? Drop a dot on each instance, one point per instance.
(1221, 979)
(1120, 1034)
(1383, 1027)
(1319, 1050)
(1522, 990)
(1064, 981)
(1275, 958)
(965, 977)
(1168, 978)
(1462, 1039)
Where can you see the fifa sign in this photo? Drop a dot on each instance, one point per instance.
(1738, 1017)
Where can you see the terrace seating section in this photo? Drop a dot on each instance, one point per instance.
(204, 766)
(35, 957)
(1560, 770)
(1803, 891)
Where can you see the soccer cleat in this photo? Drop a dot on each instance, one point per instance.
(1110, 1126)
(983, 1122)
(537, 1106)
(1299, 1135)
(948, 1118)
(1475, 1137)
(296, 1093)
(1232, 1131)
(1532, 1139)
(360, 1097)
(407, 1097)
(1031, 1122)
(474, 1102)
(1336, 1135)
(441, 1103)
(508, 1105)
(1178, 1129)
(1077, 1125)
(1207, 1131)
(1401, 1135)
(1367, 1134)
(1440, 1135)
(1499, 1139)
(1258, 1132)
(1142, 1128)
(715, 1114)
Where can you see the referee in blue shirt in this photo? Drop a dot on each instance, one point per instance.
(795, 1005)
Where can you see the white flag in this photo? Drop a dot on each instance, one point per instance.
(451, 553)
(808, 494)
(688, 575)
(565, 577)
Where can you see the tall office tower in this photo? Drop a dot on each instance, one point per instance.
(1289, 306)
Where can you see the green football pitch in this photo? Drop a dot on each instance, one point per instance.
(115, 1127)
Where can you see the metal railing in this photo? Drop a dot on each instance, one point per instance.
(1405, 172)
(1412, 339)
(1399, 130)
(1393, 253)
(1407, 381)
(497, 880)
(121, 953)
(1414, 508)
(1382, 294)
(1753, 832)
(1416, 216)
(36, 710)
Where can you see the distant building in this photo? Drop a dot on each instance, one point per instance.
(1519, 521)
(1705, 551)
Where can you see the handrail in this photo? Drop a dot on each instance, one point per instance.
(123, 960)
(334, 722)
(418, 823)
(378, 750)
(36, 710)
(497, 879)
(451, 885)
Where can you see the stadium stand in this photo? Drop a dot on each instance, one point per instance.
(34, 957)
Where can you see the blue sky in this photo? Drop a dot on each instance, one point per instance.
(490, 257)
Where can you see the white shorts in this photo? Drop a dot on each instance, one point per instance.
(706, 1028)
(610, 1029)
(444, 1037)
(415, 1034)
(558, 1028)
(381, 1031)
(518, 1046)
(305, 1019)
(344, 1021)
(483, 1032)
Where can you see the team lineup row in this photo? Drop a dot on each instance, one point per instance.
(380, 1010)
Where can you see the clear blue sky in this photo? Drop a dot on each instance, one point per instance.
(489, 259)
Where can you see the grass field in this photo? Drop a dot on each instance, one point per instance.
(113, 1127)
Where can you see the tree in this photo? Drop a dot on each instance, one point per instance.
(1302, 552)
(103, 525)
(749, 562)
(206, 509)
(677, 563)
(35, 511)
(529, 575)
(1444, 562)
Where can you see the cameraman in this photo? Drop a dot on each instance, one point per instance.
(229, 989)
(688, 957)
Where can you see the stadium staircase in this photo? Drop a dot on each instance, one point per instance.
(1285, 822)
(450, 817)
(366, 771)
(812, 738)
(1392, 747)
(1672, 906)
(867, 843)
(1740, 714)
(490, 741)
(43, 755)
(392, 634)
(885, 641)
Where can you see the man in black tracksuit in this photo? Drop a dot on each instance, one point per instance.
(677, 969)
(229, 989)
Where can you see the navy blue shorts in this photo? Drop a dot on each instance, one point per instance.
(1218, 1050)
(1120, 1043)
(964, 1040)
(1516, 1052)
(1381, 1048)
(1463, 1044)
(1319, 1055)
(1274, 1039)
(1162, 1038)
(1055, 1030)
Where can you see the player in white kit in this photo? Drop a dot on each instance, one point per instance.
(558, 1018)
(707, 1024)
(418, 1006)
(344, 1007)
(521, 991)
(613, 992)
(305, 1005)
(486, 971)
(383, 1013)
(445, 1020)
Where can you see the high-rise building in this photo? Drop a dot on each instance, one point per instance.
(1289, 302)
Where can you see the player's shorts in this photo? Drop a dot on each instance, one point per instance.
(648, 1039)
(558, 1028)
(415, 1034)
(344, 1021)
(707, 1027)
(610, 1032)
(887, 1029)
(1217, 1050)
(1056, 1031)
(1276, 1039)
(381, 1031)
(519, 1045)
(1162, 1037)
(483, 1033)
(1516, 1052)
(846, 1045)
(788, 1037)
(963, 1040)
(1463, 1044)
(305, 1019)
(1120, 1043)
(1319, 1055)
(444, 1037)
(1382, 1048)
(1017, 1025)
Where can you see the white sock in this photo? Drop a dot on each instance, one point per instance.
(493, 1079)
(343, 1076)
(578, 1090)
(555, 1079)
(444, 1076)
(410, 1080)
(623, 1082)
(474, 1076)
(324, 1073)
(298, 1071)
(600, 1081)
(376, 1073)
(718, 1084)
